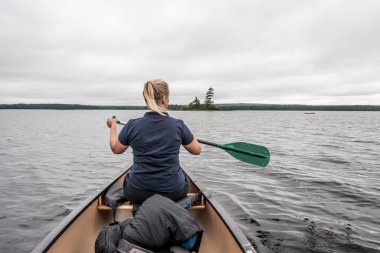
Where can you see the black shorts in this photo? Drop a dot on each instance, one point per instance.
(137, 196)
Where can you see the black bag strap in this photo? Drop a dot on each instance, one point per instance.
(125, 247)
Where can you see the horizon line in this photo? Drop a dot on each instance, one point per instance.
(187, 104)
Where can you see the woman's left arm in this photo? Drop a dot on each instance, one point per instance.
(115, 145)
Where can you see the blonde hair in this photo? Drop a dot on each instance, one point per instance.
(154, 92)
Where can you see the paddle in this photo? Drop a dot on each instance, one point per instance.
(242, 151)
(245, 152)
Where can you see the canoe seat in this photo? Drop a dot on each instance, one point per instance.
(129, 206)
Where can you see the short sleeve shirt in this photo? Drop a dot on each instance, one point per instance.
(156, 141)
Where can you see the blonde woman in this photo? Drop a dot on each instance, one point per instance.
(156, 139)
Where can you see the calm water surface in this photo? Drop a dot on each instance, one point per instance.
(321, 192)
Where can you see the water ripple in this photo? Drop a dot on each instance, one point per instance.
(321, 192)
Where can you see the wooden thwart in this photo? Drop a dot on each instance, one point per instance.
(128, 206)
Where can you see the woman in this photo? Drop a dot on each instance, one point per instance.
(156, 139)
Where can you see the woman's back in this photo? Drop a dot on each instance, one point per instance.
(156, 140)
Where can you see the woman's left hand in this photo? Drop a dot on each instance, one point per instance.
(111, 122)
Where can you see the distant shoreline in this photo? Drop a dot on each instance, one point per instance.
(219, 107)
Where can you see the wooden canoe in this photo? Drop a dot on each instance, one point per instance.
(78, 231)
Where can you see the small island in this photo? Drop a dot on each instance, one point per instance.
(208, 104)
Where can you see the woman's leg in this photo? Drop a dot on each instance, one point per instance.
(135, 195)
(178, 195)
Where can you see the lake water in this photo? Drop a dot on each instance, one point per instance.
(321, 192)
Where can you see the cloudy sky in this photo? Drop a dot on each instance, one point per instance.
(102, 52)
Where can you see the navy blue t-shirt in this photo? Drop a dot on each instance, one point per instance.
(156, 141)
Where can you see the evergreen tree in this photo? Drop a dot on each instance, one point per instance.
(209, 104)
(195, 105)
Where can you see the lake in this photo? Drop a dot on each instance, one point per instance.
(320, 193)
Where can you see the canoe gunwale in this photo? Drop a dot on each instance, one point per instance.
(54, 235)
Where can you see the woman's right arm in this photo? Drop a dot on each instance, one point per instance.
(194, 147)
(115, 145)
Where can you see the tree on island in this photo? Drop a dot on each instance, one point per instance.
(195, 105)
(209, 104)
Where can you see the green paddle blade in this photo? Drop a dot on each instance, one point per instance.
(247, 152)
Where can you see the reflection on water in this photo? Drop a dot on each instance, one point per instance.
(319, 194)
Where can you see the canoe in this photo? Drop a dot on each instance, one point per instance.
(78, 231)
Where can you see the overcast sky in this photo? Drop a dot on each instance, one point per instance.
(102, 52)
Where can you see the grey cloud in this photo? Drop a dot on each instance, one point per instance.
(249, 51)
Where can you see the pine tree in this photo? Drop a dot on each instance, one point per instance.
(196, 104)
(209, 104)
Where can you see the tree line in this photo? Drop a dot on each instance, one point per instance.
(220, 107)
(68, 107)
(297, 107)
(208, 104)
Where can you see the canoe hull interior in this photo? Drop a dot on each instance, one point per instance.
(78, 235)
